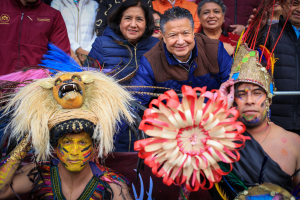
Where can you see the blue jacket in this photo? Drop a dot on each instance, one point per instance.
(210, 66)
(111, 50)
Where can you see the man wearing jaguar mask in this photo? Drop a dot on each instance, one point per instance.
(73, 114)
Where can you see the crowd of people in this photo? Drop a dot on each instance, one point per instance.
(149, 47)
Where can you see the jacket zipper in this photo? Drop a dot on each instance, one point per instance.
(184, 67)
(135, 48)
(19, 42)
(77, 25)
(188, 70)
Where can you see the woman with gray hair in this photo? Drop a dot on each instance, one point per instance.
(211, 14)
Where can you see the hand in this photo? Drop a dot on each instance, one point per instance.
(263, 21)
(224, 88)
(81, 54)
(73, 55)
(238, 29)
(94, 157)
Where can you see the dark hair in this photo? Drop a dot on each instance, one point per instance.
(114, 19)
(219, 2)
(175, 13)
(154, 11)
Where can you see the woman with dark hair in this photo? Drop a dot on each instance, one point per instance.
(106, 8)
(211, 14)
(157, 33)
(125, 40)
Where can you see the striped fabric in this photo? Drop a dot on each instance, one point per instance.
(43, 191)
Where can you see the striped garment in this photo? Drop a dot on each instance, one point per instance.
(48, 187)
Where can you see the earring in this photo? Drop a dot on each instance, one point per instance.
(269, 115)
(268, 111)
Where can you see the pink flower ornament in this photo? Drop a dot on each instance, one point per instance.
(188, 139)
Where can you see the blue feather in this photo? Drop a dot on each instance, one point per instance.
(260, 53)
(57, 60)
(235, 75)
(296, 191)
(260, 197)
(271, 88)
(230, 186)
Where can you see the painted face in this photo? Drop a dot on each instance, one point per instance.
(294, 5)
(251, 104)
(179, 38)
(211, 16)
(157, 33)
(74, 151)
(133, 24)
(69, 91)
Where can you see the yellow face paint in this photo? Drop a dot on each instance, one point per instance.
(74, 151)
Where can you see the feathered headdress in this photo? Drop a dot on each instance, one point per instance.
(35, 111)
(247, 68)
(253, 62)
(72, 100)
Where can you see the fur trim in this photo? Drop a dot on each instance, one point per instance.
(33, 107)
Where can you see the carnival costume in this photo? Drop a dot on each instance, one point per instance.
(44, 110)
(255, 176)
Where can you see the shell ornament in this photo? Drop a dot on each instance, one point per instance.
(189, 138)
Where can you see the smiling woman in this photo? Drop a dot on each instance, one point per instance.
(125, 40)
(211, 14)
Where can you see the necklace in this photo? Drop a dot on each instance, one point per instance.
(266, 135)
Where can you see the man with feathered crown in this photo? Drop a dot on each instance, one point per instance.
(269, 164)
(73, 115)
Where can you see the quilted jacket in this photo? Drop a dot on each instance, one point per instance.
(112, 51)
(285, 109)
(211, 73)
(210, 67)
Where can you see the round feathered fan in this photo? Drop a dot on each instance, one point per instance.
(188, 139)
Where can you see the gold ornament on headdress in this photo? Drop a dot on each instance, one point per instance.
(247, 68)
(273, 190)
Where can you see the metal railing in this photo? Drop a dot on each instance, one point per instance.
(287, 93)
(277, 93)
